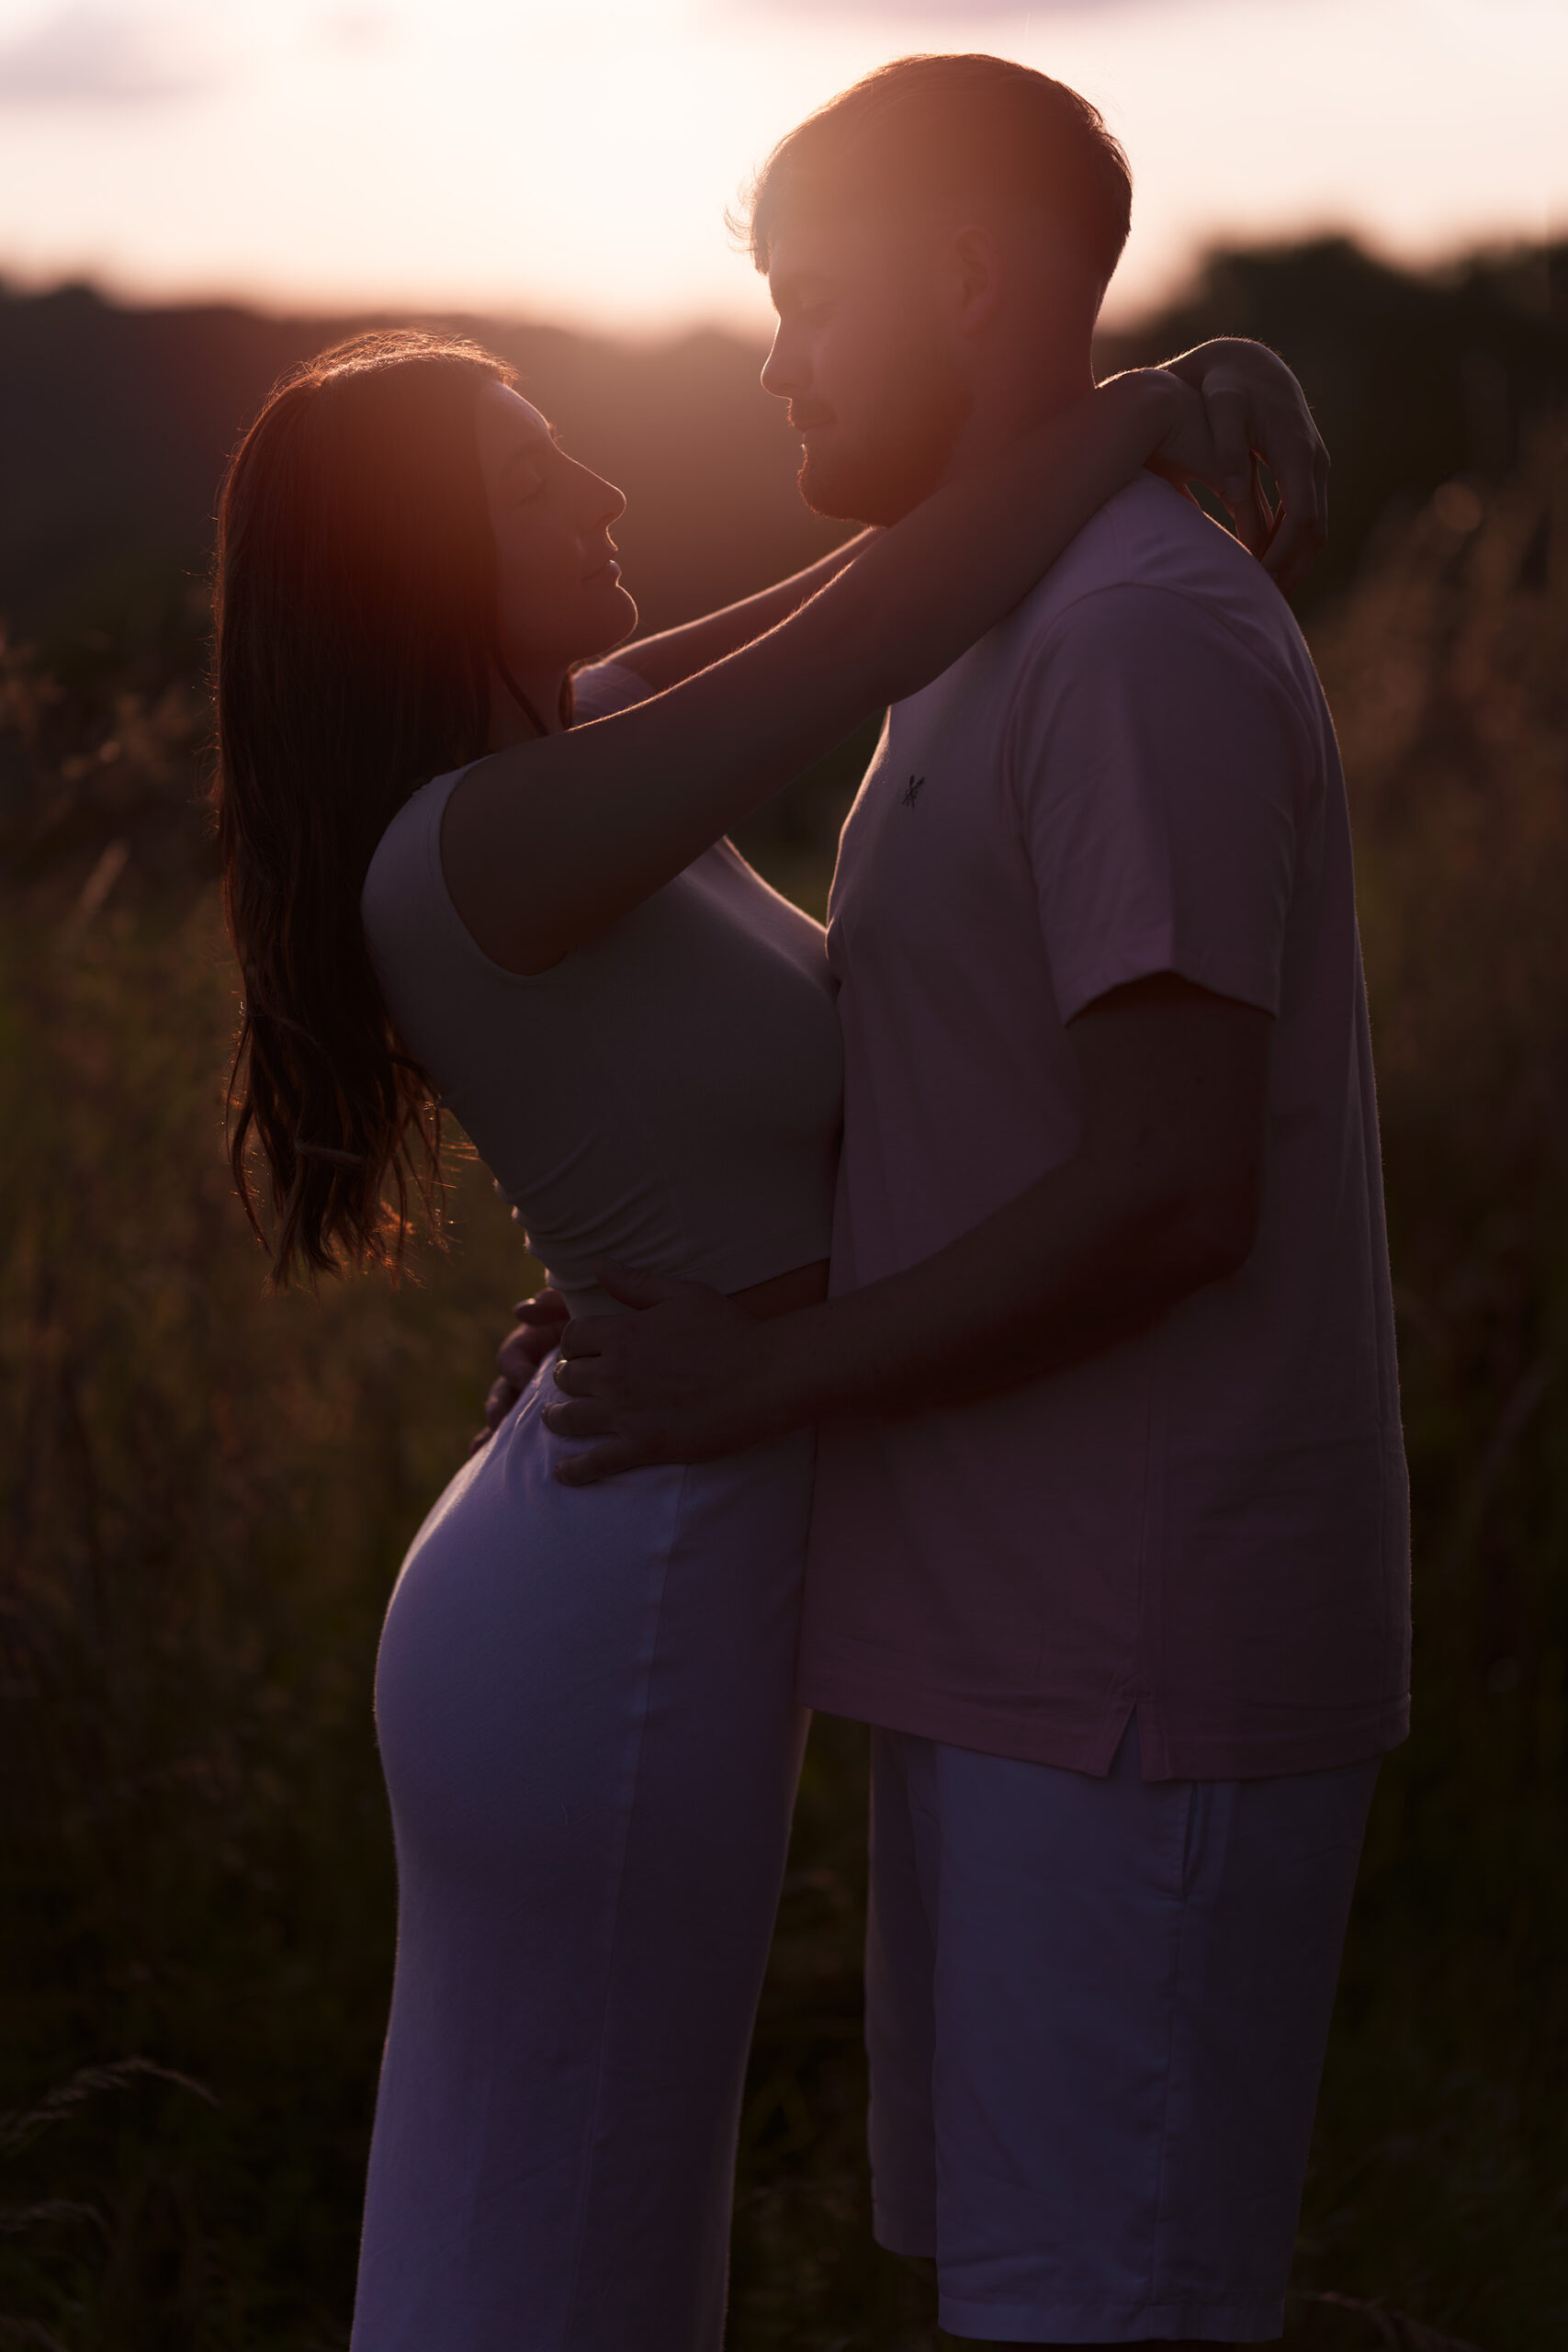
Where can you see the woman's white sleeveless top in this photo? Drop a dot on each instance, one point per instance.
(667, 1097)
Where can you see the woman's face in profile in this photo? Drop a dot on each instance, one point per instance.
(560, 592)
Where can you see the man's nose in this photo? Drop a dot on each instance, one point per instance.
(783, 373)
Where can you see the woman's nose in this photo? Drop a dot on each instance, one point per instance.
(607, 503)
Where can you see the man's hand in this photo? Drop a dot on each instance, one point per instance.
(1256, 411)
(540, 1320)
(689, 1376)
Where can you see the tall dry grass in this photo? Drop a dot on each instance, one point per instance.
(204, 1495)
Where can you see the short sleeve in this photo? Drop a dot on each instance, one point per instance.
(605, 687)
(1160, 774)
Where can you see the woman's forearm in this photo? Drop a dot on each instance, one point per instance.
(677, 653)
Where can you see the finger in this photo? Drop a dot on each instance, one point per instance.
(1302, 531)
(579, 1416)
(1295, 545)
(604, 1462)
(589, 1335)
(477, 1443)
(1290, 454)
(634, 1289)
(503, 1395)
(545, 1306)
(1253, 518)
(582, 1378)
(520, 1356)
(1225, 406)
(1320, 467)
(522, 1348)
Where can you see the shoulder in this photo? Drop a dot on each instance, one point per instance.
(605, 687)
(405, 866)
(1149, 538)
(1152, 586)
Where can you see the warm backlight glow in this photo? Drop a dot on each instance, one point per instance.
(572, 158)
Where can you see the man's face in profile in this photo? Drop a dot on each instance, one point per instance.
(864, 360)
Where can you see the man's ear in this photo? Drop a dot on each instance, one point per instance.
(970, 278)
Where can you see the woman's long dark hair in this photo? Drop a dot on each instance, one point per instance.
(356, 605)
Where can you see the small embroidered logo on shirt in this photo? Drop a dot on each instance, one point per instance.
(916, 786)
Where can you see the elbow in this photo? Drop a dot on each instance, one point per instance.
(1211, 1228)
(1175, 1231)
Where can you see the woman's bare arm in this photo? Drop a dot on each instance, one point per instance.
(1255, 409)
(677, 653)
(544, 845)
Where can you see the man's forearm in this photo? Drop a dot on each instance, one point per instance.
(1071, 1267)
(1164, 1195)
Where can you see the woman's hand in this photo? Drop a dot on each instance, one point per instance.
(540, 1322)
(1187, 450)
(1256, 411)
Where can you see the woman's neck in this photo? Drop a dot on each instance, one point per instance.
(509, 722)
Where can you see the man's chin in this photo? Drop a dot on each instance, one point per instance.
(853, 488)
(822, 491)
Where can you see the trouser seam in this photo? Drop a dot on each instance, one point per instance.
(590, 2131)
(1162, 2170)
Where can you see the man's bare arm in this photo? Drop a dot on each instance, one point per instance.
(1162, 1197)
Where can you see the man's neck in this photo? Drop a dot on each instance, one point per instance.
(1011, 401)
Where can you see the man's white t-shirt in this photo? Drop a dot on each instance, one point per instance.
(1134, 774)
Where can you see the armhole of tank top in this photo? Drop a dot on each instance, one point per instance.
(441, 789)
(607, 670)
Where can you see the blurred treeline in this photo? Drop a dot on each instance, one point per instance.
(205, 1493)
(114, 424)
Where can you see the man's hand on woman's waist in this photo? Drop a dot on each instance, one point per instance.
(1162, 1197)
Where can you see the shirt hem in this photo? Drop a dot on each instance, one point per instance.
(726, 1271)
(1232, 976)
(1088, 1744)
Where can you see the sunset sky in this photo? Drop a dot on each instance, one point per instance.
(571, 159)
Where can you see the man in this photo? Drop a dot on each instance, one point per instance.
(1110, 1542)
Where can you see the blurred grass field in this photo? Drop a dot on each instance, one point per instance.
(205, 1493)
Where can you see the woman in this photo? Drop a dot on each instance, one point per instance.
(583, 1696)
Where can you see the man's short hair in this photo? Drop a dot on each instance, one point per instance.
(933, 127)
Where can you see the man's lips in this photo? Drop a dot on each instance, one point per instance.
(610, 563)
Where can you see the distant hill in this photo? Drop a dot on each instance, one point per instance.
(115, 423)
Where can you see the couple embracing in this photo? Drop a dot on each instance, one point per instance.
(975, 1323)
